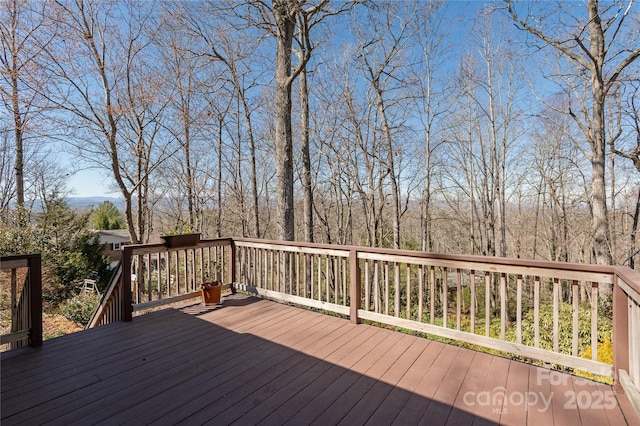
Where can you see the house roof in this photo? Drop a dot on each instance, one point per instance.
(122, 233)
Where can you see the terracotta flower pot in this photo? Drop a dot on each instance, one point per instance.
(211, 293)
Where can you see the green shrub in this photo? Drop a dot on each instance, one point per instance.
(80, 308)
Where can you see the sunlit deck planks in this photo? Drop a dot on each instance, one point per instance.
(258, 362)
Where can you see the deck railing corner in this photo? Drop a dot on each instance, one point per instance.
(626, 333)
(26, 305)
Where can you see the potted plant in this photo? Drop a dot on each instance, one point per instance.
(184, 238)
(211, 292)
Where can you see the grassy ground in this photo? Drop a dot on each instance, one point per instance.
(52, 326)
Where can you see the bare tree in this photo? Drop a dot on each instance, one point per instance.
(95, 51)
(26, 29)
(632, 153)
(595, 44)
(431, 103)
(223, 44)
(385, 64)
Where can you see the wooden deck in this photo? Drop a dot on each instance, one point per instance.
(253, 361)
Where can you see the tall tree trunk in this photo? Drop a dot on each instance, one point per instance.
(395, 196)
(600, 224)
(237, 180)
(612, 189)
(306, 156)
(219, 188)
(634, 230)
(254, 173)
(17, 125)
(252, 150)
(285, 25)
(189, 169)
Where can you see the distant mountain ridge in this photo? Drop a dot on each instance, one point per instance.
(85, 202)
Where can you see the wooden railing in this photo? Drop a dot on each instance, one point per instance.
(466, 298)
(510, 305)
(26, 300)
(154, 275)
(306, 274)
(110, 308)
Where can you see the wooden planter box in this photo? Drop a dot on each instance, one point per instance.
(211, 293)
(181, 240)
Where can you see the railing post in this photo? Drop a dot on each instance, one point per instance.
(355, 286)
(620, 331)
(127, 296)
(35, 301)
(232, 266)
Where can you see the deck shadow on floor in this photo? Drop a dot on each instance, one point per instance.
(174, 367)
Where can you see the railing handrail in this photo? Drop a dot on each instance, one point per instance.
(161, 247)
(490, 260)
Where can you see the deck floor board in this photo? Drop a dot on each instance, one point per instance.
(252, 361)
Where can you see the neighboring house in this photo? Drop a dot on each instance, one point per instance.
(114, 239)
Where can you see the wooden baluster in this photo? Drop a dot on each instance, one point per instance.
(289, 256)
(420, 292)
(458, 298)
(305, 271)
(376, 288)
(575, 287)
(594, 321)
(271, 271)
(159, 275)
(319, 277)
(223, 263)
(167, 270)
(311, 276)
(536, 312)
(193, 268)
(327, 260)
(519, 310)
(445, 297)
(503, 305)
(202, 273)
(338, 281)
(15, 326)
(265, 268)
(297, 256)
(472, 284)
(408, 291)
(345, 294)
(487, 304)
(386, 288)
(184, 269)
(556, 312)
(367, 286)
(397, 289)
(147, 259)
(432, 289)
